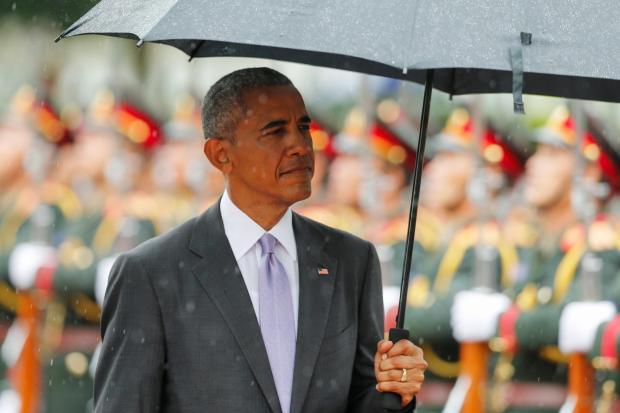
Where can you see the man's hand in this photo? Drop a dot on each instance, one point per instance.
(390, 360)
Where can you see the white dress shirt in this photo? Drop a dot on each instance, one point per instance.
(243, 235)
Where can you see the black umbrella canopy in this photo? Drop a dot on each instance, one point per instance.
(565, 48)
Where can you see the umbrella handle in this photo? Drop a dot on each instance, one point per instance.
(392, 401)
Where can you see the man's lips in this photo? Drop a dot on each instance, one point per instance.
(297, 170)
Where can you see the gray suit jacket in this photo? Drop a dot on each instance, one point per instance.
(180, 334)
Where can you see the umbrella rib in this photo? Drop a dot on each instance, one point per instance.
(407, 57)
(141, 40)
(195, 50)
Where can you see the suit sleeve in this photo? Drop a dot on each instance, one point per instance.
(363, 397)
(130, 371)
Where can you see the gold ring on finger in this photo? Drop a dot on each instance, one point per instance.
(403, 378)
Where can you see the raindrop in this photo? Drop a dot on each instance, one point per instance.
(14, 6)
(190, 306)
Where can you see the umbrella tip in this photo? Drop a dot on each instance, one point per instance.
(405, 70)
(60, 36)
(140, 43)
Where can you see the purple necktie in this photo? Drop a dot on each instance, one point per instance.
(277, 321)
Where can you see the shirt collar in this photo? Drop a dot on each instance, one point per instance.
(243, 232)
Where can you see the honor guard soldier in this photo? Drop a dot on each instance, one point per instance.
(385, 198)
(531, 372)
(111, 219)
(448, 262)
(342, 160)
(585, 332)
(32, 228)
(184, 129)
(176, 170)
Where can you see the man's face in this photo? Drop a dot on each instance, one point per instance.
(92, 151)
(271, 156)
(548, 176)
(14, 144)
(345, 180)
(446, 179)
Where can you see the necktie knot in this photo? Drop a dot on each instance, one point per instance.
(267, 243)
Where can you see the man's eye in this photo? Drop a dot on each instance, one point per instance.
(304, 127)
(276, 132)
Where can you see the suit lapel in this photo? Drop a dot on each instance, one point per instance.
(219, 275)
(315, 293)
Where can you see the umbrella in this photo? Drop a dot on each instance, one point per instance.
(562, 48)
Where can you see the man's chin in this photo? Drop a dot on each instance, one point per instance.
(298, 193)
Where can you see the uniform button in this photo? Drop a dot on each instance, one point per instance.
(544, 295)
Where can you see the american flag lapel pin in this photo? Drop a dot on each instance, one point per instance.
(323, 271)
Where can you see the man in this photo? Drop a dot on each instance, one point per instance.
(250, 307)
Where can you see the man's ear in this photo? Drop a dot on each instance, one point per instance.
(216, 150)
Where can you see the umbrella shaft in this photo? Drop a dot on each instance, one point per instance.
(415, 196)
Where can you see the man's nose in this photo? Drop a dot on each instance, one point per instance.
(299, 143)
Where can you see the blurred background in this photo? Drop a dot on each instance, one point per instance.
(101, 149)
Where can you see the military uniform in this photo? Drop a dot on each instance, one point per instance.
(72, 320)
(120, 221)
(552, 274)
(31, 227)
(337, 215)
(448, 258)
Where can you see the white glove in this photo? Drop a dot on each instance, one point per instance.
(25, 260)
(579, 322)
(10, 402)
(103, 274)
(474, 315)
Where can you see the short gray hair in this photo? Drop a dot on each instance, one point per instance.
(223, 104)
